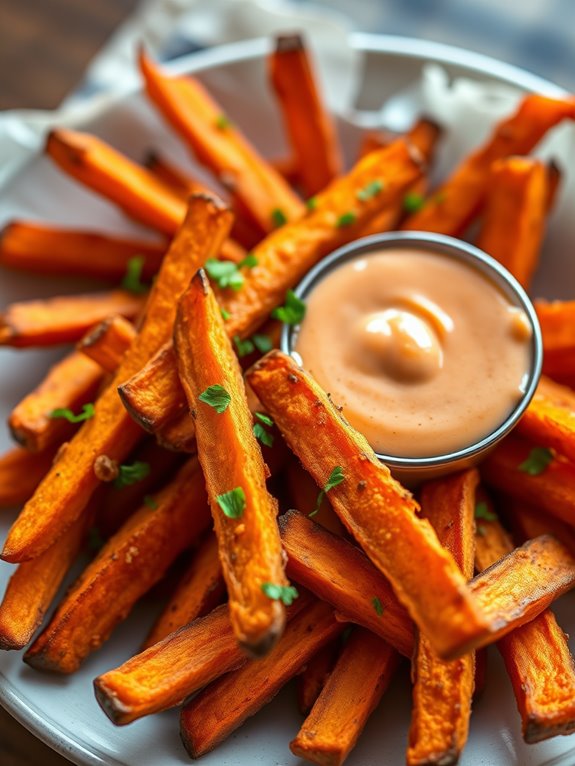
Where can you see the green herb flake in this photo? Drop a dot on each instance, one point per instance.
(347, 219)
(377, 605)
(538, 460)
(243, 347)
(481, 530)
(287, 594)
(248, 262)
(67, 414)
(133, 278)
(412, 202)
(262, 435)
(130, 474)
(482, 512)
(225, 314)
(263, 418)
(222, 122)
(232, 503)
(224, 273)
(370, 190)
(336, 477)
(217, 397)
(311, 203)
(278, 217)
(263, 343)
(293, 310)
(150, 502)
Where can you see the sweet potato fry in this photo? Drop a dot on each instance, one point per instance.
(191, 111)
(135, 558)
(557, 320)
(454, 204)
(64, 319)
(65, 492)
(224, 705)
(528, 521)
(179, 435)
(248, 537)
(69, 384)
(550, 418)
(308, 125)
(164, 675)
(314, 560)
(442, 691)
(552, 489)
(199, 591)
(515, 213)
(536, 656)
(351, 693)
(107, 342)
(183, 183)
(282, 260)
(372, 505)
(312, 678)
(45, 249)
(34, 585)
(20, 473)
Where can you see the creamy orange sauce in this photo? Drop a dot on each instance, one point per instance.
(425, 354)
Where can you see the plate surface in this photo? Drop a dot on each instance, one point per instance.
(63, 711)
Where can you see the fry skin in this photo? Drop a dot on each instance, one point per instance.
(557, 320)
(372, 505)
(249, 543)
(351, 693)
(20, 473)
(133, 560)
(45, 249)
(550, 418)
(65, 492)
(107, 342)
(62, 320)
(312, 678)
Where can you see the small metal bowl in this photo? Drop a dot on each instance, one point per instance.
(413, 470)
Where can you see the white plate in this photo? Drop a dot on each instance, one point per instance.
(62, 711)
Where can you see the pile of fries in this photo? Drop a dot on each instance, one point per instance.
(155, 442)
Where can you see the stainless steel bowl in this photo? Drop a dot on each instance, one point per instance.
(412, 470)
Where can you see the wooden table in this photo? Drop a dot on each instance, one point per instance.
(45, 45)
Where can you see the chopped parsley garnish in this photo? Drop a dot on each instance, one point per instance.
(225, 314)
(482, 512)
(248, 262)
(133, 278)
(278, 217)
(217, 397)
(346, 220)
(222, 122)
(370, 190)
(67, 414)
(284, 593)
(537, 461)
(262, 343)
(243, 347)
(293, 310)
(377, 605)
(224, 273)
(232, 503)
(311, 203)
(412, 202)
(150, 502)
(259, 429)
(130, 474)
(336, 477)
(263, 418)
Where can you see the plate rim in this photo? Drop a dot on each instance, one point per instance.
(21, 707)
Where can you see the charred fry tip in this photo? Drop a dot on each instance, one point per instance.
(262, 646)
(116, 711)
(262, 363)
(289, 42)
(200, 278)
(206, 196)
(143, 421)
(95, 333)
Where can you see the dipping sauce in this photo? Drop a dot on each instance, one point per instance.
(424, 352)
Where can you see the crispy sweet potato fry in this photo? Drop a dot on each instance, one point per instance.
(312, 678)
(62, 320)
(552, 490)
(528, 521)
(164, 675)
(454, 204)
(372, 505)
(309, 127)
(314, 560)
(135, 558)
(69, 384)
(224, 705)
(218, 144)
(536, 656)
(550, 418)
(20, 473)
(45, 249)
(248, 539)
(34, 584)
(513, 223)
(557, 320)
(442, 691)
(351, 693)
(179, 435)
(199, 591)
(65, 492)
(283, 258)
(107, 342)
